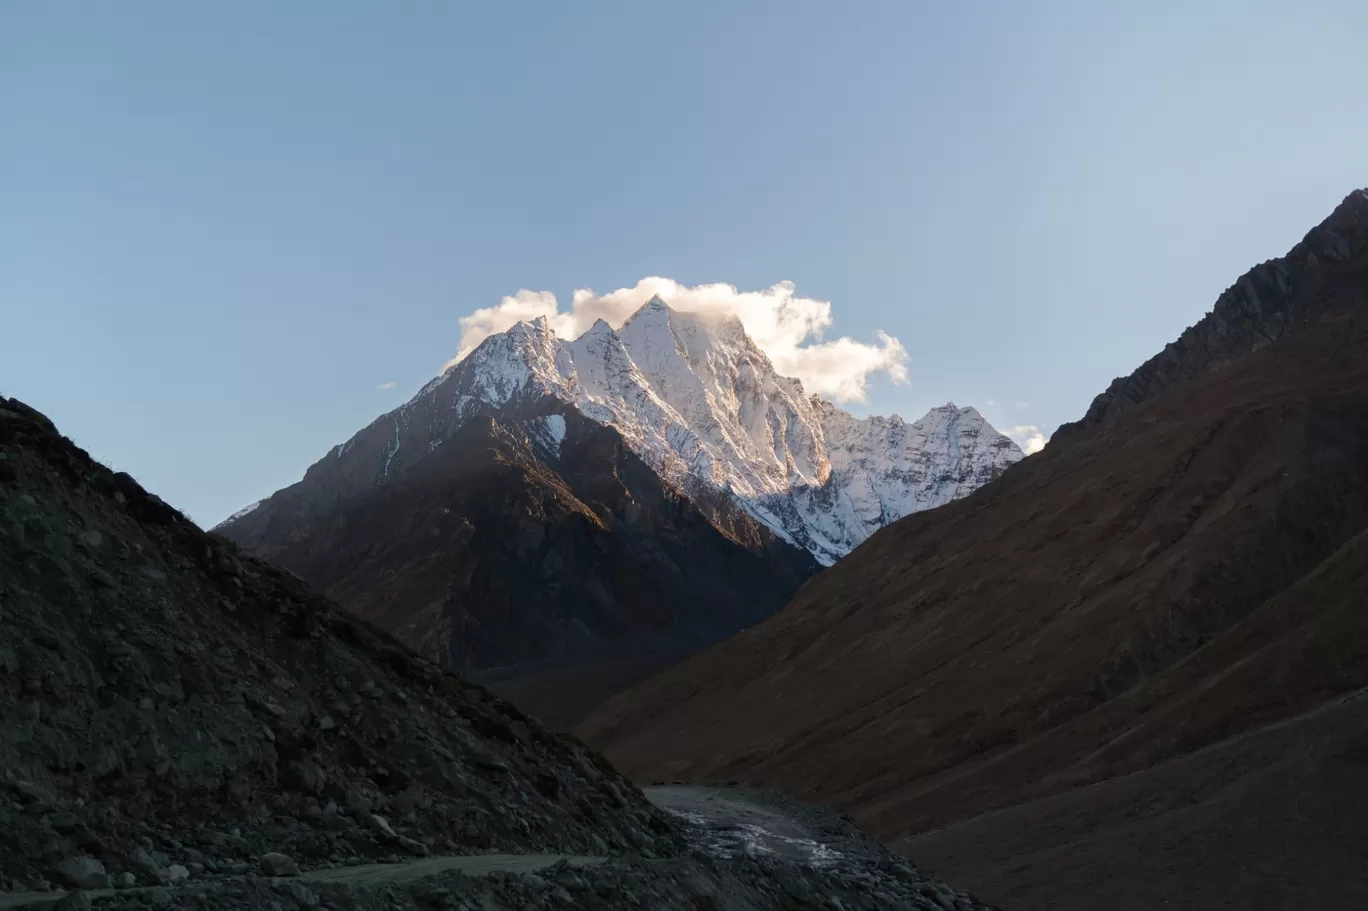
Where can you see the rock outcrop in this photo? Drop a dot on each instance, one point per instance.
(1263, 305)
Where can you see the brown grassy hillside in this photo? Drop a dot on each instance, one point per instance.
(1107, 604)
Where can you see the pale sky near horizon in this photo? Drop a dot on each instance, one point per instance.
(233, 234)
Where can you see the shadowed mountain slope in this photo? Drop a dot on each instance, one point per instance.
(1127, 596)
(509, 546)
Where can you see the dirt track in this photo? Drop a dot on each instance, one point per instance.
(729, 822)
(366, 876)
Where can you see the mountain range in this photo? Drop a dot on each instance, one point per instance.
(1060, 687)
(696, 399)
(627, 496)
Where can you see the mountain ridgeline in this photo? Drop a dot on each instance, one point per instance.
(702, 405)
(606, 505)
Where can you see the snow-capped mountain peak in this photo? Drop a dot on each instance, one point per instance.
(697, 400)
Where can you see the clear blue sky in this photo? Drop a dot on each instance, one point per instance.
(222, 225)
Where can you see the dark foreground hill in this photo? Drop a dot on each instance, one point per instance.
(170, 682)
(1178, 569)
(194, 727)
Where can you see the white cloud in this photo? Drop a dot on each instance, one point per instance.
(387, 385)
(788, 328)
(1029, 437)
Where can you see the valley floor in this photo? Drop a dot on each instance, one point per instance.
(562, 694)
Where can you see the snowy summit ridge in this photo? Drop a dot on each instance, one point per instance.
(700, 403)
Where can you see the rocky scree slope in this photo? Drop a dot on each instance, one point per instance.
(1103, 607)
(701, 404)
(529, 538)
(167, 700)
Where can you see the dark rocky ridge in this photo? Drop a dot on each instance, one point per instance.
(162, 692)
(1263, 305)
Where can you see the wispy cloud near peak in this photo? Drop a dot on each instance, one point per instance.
(788, 328)
(1029, 437)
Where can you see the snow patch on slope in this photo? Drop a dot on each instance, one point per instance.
(392, 451)
(551, 431)
(241, 513)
